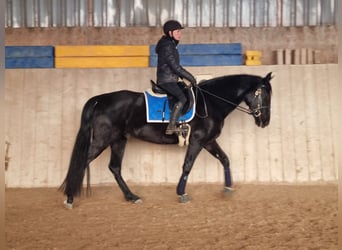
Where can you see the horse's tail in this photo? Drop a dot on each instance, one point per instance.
(72, 184)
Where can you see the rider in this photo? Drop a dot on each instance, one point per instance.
(169, 70)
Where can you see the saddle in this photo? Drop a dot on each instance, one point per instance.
(187, 91)
(158, 106)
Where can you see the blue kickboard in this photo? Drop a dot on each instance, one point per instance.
(29, 51)
(205, 60)
(205, 55)
(157, 109)
(17, 63)
(206, 49)
(211, 49)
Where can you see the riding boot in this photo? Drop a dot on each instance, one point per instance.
(175, 114)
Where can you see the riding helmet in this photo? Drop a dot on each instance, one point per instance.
(171, 25)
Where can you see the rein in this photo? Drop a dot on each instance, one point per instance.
(255, 112)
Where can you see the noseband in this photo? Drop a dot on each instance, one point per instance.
(257, 111)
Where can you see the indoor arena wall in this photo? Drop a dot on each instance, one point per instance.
(43, 108)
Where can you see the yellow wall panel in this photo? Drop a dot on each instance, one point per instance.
(253, 62)
(101, 50)
(101, 62)
(253, 57)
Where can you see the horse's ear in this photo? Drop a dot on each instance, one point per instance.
(268, 77)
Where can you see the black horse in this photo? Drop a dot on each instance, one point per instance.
(108, 120)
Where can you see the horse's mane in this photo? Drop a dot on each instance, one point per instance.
(237, 79)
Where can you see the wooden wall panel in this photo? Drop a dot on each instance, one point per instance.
(44, 107)
(27, 140)
(327, 102)
(14, 125)
(55, 128)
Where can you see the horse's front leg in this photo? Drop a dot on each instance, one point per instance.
(215, 150)
(190, 157)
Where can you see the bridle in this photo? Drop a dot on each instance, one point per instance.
(256, 112)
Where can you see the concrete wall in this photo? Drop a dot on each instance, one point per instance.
(43, 112)
(267, 40)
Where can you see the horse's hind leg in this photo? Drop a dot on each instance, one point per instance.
(117, 152)
(99, 142)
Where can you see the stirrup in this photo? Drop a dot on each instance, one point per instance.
(184, 134)
(170, 131)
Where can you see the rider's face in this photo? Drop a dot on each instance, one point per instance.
(176, 34)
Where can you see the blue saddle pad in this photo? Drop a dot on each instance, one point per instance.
(157, 108)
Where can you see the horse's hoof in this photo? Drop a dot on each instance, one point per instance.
(228, 191)
(137, 201)
(68, 205)
(184, 198)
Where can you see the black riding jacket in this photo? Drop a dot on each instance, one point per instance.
(169, 69)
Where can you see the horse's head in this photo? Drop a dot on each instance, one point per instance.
(259, 101)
